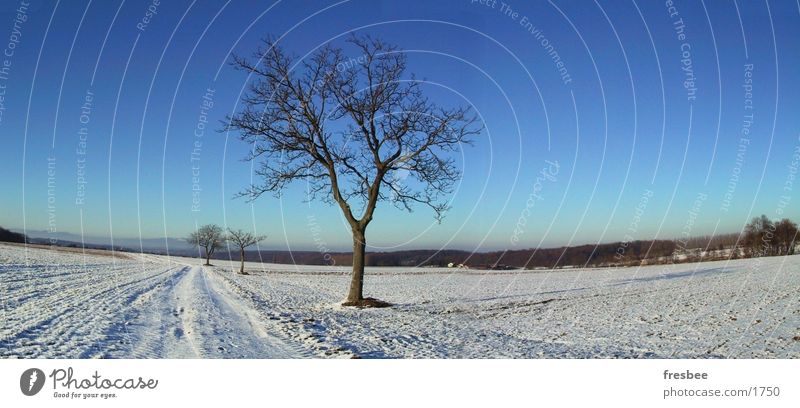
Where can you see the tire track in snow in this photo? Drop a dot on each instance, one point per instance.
(146, 307)
(195, 317)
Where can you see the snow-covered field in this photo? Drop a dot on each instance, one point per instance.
(57, 304)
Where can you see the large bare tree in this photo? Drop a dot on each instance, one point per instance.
(209, 237)
(242, 240)
(346, 126)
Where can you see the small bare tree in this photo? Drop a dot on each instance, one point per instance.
(243, 239)
(346, 126)
(209, 237)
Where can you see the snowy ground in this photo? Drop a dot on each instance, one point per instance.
(57, 304)
(65, 305)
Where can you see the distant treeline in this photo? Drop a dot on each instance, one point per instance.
(10, 236)
(711, 242)
(16, 237)
(618, 253)
(764, 237)
(761, 237)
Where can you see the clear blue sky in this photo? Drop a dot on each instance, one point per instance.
(616, 116)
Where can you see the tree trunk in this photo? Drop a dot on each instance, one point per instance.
(208, 258)
(241, 268)
(356, 293)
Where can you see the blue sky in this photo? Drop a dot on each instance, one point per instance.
(635, 147)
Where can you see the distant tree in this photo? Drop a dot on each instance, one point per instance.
(758, 236)
(350, 128)
(242, 240)
(785, 236)
(209, 237)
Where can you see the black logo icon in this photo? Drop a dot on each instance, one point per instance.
(31, 381)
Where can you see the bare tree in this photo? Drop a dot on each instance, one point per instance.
(209, 237)
(243, 239)
(758, 236)
(346, 126)
(763, 237)
(785, 236)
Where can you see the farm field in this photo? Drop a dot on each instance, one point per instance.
(68, 305)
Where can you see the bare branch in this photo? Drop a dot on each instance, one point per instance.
(244, 239)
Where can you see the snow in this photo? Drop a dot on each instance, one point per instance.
(61, 304)
(57, 304)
